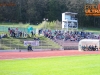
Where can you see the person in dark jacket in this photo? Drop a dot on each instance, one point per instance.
(30, 48)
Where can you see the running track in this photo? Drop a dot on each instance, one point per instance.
(21, 55)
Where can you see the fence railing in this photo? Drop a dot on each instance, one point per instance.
(5, 29)
(19, 45)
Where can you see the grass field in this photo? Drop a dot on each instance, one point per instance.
(69, 65)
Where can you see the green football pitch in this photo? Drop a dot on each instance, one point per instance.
(66, 65)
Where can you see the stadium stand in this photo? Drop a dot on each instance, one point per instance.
(69, 39)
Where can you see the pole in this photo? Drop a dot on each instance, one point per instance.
(67, 25)
(0, 43)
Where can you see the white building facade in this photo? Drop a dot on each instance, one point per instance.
(69, 21)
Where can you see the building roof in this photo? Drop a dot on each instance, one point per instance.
(70, 13)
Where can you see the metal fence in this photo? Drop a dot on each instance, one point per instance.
(10, 44)
(5, 29)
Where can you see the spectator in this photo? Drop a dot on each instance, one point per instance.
(29, 48)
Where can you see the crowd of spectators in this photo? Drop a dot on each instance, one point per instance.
(3, 36)
(69, 35)
(54, 35)
(14, 32)
(89, 48)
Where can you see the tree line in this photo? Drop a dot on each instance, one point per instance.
(34, 11)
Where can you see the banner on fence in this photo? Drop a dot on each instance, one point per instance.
(32, 43)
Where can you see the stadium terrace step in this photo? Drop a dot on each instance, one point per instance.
(68, 45)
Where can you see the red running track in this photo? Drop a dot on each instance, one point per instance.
(21, 55)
